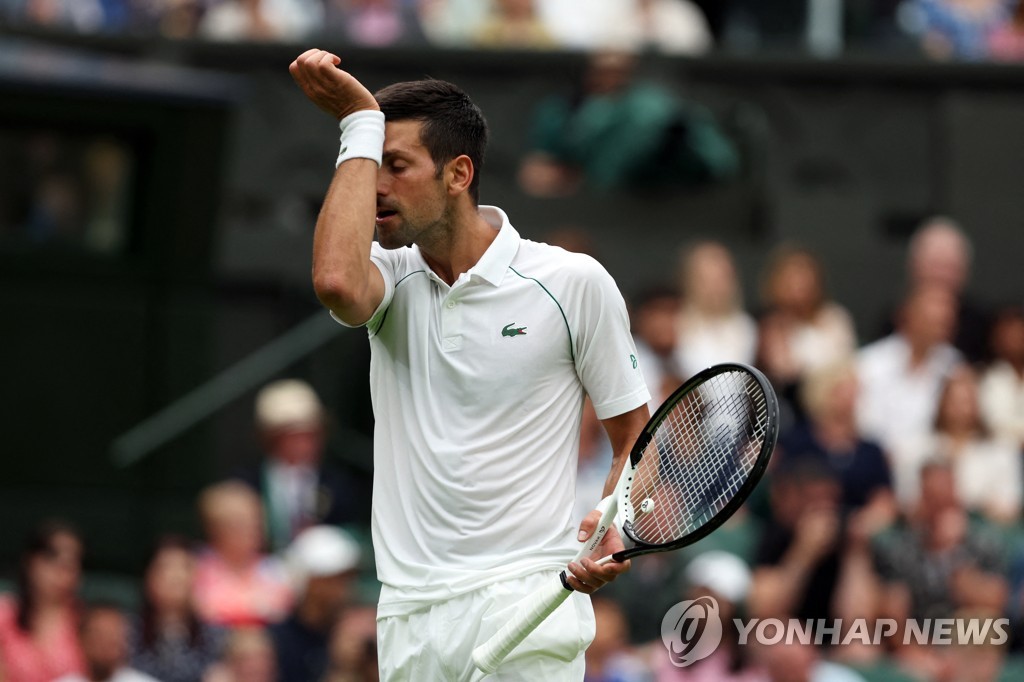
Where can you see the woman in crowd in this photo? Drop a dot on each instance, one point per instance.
(237, 584)
(986, 470)
(39, 626)
(713, 327)
(1002, 386)
(830, 437)
(168, 640)
(801, 329)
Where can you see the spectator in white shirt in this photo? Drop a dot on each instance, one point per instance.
(987, 471)
(901, 375)
(1002, 386)
(801, 330)
(939, 254)
(713, 326)
(669, 26)
(261, 20)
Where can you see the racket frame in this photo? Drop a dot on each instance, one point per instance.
(753, 478)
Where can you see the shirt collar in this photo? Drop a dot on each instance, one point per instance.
(496, 259)
(493, 265)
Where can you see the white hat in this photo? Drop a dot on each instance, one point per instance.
(321, 551)
(722, 572)
(289, 403)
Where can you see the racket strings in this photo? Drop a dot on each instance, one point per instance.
(701, 454)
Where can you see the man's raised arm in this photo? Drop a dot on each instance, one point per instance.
(344, 278)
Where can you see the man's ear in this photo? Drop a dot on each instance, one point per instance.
(459, 174)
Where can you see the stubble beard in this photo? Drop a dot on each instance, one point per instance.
(431, 236)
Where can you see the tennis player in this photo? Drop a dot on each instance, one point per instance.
(483, 346)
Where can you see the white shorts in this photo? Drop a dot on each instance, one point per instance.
(436, 643)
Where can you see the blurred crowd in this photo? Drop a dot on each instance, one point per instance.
(958, 29)
(895, 492)
(896, 488)
(274, 589)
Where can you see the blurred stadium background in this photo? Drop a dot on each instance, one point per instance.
(160, 177)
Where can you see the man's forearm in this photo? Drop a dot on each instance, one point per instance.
(341, 244)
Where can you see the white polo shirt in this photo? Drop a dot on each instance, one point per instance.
(478, 392)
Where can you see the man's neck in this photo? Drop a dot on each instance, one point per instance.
(469, 237)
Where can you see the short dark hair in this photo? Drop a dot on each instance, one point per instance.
(452, 124)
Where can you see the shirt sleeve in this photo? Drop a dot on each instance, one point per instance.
(605, 355)
(384, 262)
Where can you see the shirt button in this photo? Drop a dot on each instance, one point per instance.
(451, 304)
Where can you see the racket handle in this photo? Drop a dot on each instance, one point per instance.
(530, 613)
(532, 610)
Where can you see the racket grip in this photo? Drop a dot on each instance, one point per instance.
(530, 613)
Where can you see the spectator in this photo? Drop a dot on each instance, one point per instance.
(902, 374)
(261, 20)
(831, 438)
(374, 23)
(939, 563)
(713, 327)
(616, 132)
(812, 562)
(248, 657)
(513, 24)
(1006, 42)
(610, 657)
(353, 648)
(793, 661)
(983, 660)
(297, 487)
(669, 26)
(1002, 385)
(236, 584)
(654, 315)
(801, 329)
(38, 627)
(726, 578)
(987, 471)
(451, 23)
(104, 640)
(323, 562)
(84, 16)
(939, 254)
(936, 566)
(957, 29)
(168, 641)
(177, 19)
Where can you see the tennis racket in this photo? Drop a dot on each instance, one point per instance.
(694, 464)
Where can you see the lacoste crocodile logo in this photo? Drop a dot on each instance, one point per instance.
(509, 330)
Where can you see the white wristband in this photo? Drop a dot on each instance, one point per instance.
(362, 136)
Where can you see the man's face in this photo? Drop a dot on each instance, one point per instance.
(412, 203)
(296, 446)
(930, 316)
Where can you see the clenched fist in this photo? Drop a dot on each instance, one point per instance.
(335, 91)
